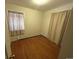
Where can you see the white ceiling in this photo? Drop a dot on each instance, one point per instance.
(28, 3)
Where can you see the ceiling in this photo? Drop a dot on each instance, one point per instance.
(28, 3)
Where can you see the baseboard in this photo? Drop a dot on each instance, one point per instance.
(26, 38)
(36, 36)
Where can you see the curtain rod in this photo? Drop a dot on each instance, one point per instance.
(62, 11)
(15, 12)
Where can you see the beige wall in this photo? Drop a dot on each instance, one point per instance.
(66, 50)
(7, 40)
(47, 16)
(32, 21)
(67, 42)
(36, 22)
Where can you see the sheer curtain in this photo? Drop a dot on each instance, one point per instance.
(58, 25)
(16, 23)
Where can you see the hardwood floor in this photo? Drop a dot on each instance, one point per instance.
(37, 47)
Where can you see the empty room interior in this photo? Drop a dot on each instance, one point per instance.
(39, 29)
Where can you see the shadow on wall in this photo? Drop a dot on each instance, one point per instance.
(66, 51)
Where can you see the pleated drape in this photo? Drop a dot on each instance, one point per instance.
(57, 26)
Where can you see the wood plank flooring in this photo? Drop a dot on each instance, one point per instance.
(37, 47)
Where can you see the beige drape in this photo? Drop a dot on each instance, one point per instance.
(58, 25)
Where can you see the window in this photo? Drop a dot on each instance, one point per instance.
(16, 23)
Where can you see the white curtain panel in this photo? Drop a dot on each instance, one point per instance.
(16, 23)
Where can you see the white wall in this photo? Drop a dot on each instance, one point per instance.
(47, 16)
